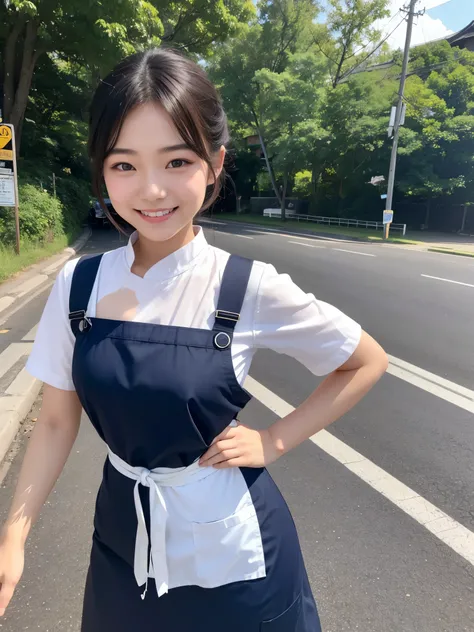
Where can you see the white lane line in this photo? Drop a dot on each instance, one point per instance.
(22, 303)
(355, 252)
(456, 536)
(427, 276)
(223, 232)
(298, 243)
(432, 383)
(31, 335)
(212, 221)
(12, 354)
(5, 302)
(29, 285)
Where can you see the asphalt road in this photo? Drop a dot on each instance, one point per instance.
(373, 567)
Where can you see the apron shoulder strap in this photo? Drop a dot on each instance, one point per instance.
(81, 288)
(232, 294)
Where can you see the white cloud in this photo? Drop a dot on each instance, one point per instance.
(425, 28)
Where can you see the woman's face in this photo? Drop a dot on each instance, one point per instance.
(154, 181)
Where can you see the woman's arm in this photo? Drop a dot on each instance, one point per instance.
(48, 449)
(337, 394)
(333, 398)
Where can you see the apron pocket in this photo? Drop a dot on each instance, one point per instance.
(286, 622)
(229, 550)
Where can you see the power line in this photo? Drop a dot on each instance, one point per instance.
(349, 72)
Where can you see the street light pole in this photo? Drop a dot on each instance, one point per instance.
(398, 113)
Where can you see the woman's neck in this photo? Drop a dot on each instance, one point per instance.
(148, 252)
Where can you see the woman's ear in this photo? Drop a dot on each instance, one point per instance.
(217, 165)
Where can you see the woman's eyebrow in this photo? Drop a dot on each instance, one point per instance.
(163, 150)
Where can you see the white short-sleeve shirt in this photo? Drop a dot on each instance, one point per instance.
(183, 290)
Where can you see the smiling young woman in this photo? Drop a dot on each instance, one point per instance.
(154, 341)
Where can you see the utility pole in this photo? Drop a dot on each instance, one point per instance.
(398, 113)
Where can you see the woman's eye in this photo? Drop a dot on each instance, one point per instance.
(179, 162)
(123, 166)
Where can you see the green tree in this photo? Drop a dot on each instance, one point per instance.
(349, 33)
(96, 35)
(93, 33)
(437, 151)
(281, 30)
(293, 99)
(196, 25)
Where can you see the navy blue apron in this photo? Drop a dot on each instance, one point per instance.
(132, 378)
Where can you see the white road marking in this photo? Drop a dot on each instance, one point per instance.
(21, 384)
(452, 533)
(427, 276)
(212, 221)
(5, 302)
(31, 335)
(29, 285)
(12, 354)
(355, 252)
(27, 300)
(298, 243)
(222, 232)
(432, 383)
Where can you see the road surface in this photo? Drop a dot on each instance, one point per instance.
(383, 500)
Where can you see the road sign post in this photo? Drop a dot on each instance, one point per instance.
(387, 220)
(9, 175)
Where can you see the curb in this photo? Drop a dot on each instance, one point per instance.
(443, 251)
(13, 410)
(20, 396)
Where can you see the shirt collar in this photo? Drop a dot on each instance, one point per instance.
(174, 264)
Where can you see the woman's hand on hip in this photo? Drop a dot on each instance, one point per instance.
(240, 446)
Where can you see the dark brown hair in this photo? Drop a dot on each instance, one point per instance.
(180, 86)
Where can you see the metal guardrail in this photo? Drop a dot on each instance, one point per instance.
(334, 221)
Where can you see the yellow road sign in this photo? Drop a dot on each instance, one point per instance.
(6, 154)
(5, 135)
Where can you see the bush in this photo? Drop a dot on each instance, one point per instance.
(75, 197)
(41, 216)
(302, 187)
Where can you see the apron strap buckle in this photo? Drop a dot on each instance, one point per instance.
(85, 322)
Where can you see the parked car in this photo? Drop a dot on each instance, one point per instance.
(97, 216)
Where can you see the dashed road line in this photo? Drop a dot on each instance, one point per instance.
(427, 276)
(355, 252)
(298, 243)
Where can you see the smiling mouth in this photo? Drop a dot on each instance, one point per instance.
(159, 213)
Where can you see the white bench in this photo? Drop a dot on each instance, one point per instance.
(276, 212)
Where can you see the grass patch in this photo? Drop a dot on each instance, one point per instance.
(340, 231)
(30, 253)
(448, 251)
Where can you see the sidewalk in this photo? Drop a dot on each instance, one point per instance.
(18, 389)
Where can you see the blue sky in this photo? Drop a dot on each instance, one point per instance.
(441, 18)
(455, 14)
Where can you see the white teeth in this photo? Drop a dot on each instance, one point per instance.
(158, 213)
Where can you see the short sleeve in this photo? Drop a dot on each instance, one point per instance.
(289, 321)
(51, 358)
